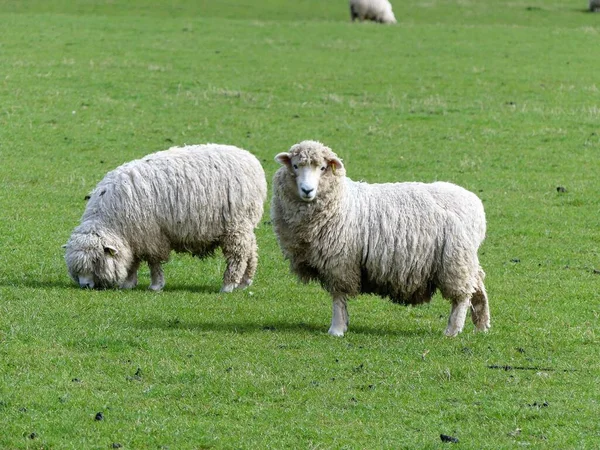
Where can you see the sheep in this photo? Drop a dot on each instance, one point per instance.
(594, 5)
(188, 199)
(397, 240)
(375, 10)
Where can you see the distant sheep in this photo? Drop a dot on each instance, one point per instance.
(375, 10)
(594, 5)
(401, 240)
(189, 199)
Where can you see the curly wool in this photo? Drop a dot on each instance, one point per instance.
(188, 199)
(375, 10)
(401, 240)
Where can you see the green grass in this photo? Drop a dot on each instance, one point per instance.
(500, 97)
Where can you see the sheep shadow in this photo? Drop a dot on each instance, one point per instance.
(268, 326)
(196, 289)
(68, 284)
(39, 284)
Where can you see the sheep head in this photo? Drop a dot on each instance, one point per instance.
(311, 164)
(97, 259)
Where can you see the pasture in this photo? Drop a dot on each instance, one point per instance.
(501, 97)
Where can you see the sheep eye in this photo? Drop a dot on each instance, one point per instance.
(295, 167)
(323, 168)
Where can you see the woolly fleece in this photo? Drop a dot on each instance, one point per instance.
(375, 10)
(188, 199)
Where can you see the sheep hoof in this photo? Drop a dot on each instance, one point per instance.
(452, 332)
(156, 287)
(483, 328)
(228, 287)
(335, 332)
(245, 284)
(129, 285)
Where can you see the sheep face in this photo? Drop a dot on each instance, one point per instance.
(307, 166)
(96, 261)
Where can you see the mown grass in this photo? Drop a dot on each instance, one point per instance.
(500, 97)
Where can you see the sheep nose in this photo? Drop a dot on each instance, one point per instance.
(307, 191)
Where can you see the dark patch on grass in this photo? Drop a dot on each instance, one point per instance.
(116, 445)
(358, 368)
(515, 260)
(33, 435)
(561, 189)
(174, 323)
(137, 376)
(446, 438)
(538, 405)
(99, 416)
(540, 369)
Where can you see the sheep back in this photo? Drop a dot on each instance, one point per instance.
(375, 10)
(184, 198)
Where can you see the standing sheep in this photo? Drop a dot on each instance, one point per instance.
(594, 5)
(401, 240)
(188, 199)
(375, 10)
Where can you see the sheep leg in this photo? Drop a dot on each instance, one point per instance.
(353, 13)
(132, 278)
(235, 249)
(251, 266)
(480, 310)
(340, 318)
(458, 314)
(157, 276)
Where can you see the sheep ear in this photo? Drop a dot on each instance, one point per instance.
(112, 251)
(336, 164)
(284, 159)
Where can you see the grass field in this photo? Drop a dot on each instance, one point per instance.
(502, 97)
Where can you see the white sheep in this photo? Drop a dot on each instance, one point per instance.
(401, 240)
(375, 10)
(594, 5)
(189, 199)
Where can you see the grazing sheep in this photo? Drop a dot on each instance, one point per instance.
(376, 10)
(188, 199)
(401, 240)
(594, 5)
